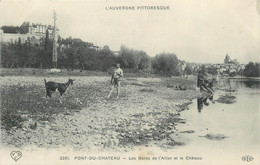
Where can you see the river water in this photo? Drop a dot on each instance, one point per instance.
(219, 130)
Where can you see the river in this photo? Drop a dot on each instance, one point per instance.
(219, 130)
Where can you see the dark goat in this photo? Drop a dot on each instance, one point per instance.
(52, 86)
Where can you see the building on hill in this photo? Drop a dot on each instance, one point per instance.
(27, 31)
(229, 67)
(37, 30)
(228, 60)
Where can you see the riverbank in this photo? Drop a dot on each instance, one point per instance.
(84, 119)
(34, 72)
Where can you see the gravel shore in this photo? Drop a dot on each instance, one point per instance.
(84, 119)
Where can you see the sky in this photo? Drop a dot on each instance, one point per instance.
(200, 31)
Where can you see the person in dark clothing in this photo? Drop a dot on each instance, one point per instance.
(200, 81)
(204, 84)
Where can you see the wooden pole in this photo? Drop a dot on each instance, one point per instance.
(54, 54)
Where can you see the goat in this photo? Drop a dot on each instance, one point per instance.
(52, 86)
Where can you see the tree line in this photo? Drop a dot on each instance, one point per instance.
(74, 53)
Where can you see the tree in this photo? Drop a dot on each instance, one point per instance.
(48, 46)
(165, 63)
(134, 60)
(252, 70)
(144, 61)
(126, 57)
(212, 70)
(10, 29)
(106, 58)
(188, 70)
(7, 55)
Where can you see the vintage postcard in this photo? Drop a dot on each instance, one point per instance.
(130, 82)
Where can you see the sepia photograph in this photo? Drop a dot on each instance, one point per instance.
(129, 82)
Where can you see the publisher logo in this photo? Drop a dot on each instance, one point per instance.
(247, 158)
(16, 155)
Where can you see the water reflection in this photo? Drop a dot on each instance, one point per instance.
(239, 83)
(251, 84)
(209, 120)
(203, 101)
(231, 87)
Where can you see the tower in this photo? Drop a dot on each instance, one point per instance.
(227, 59)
